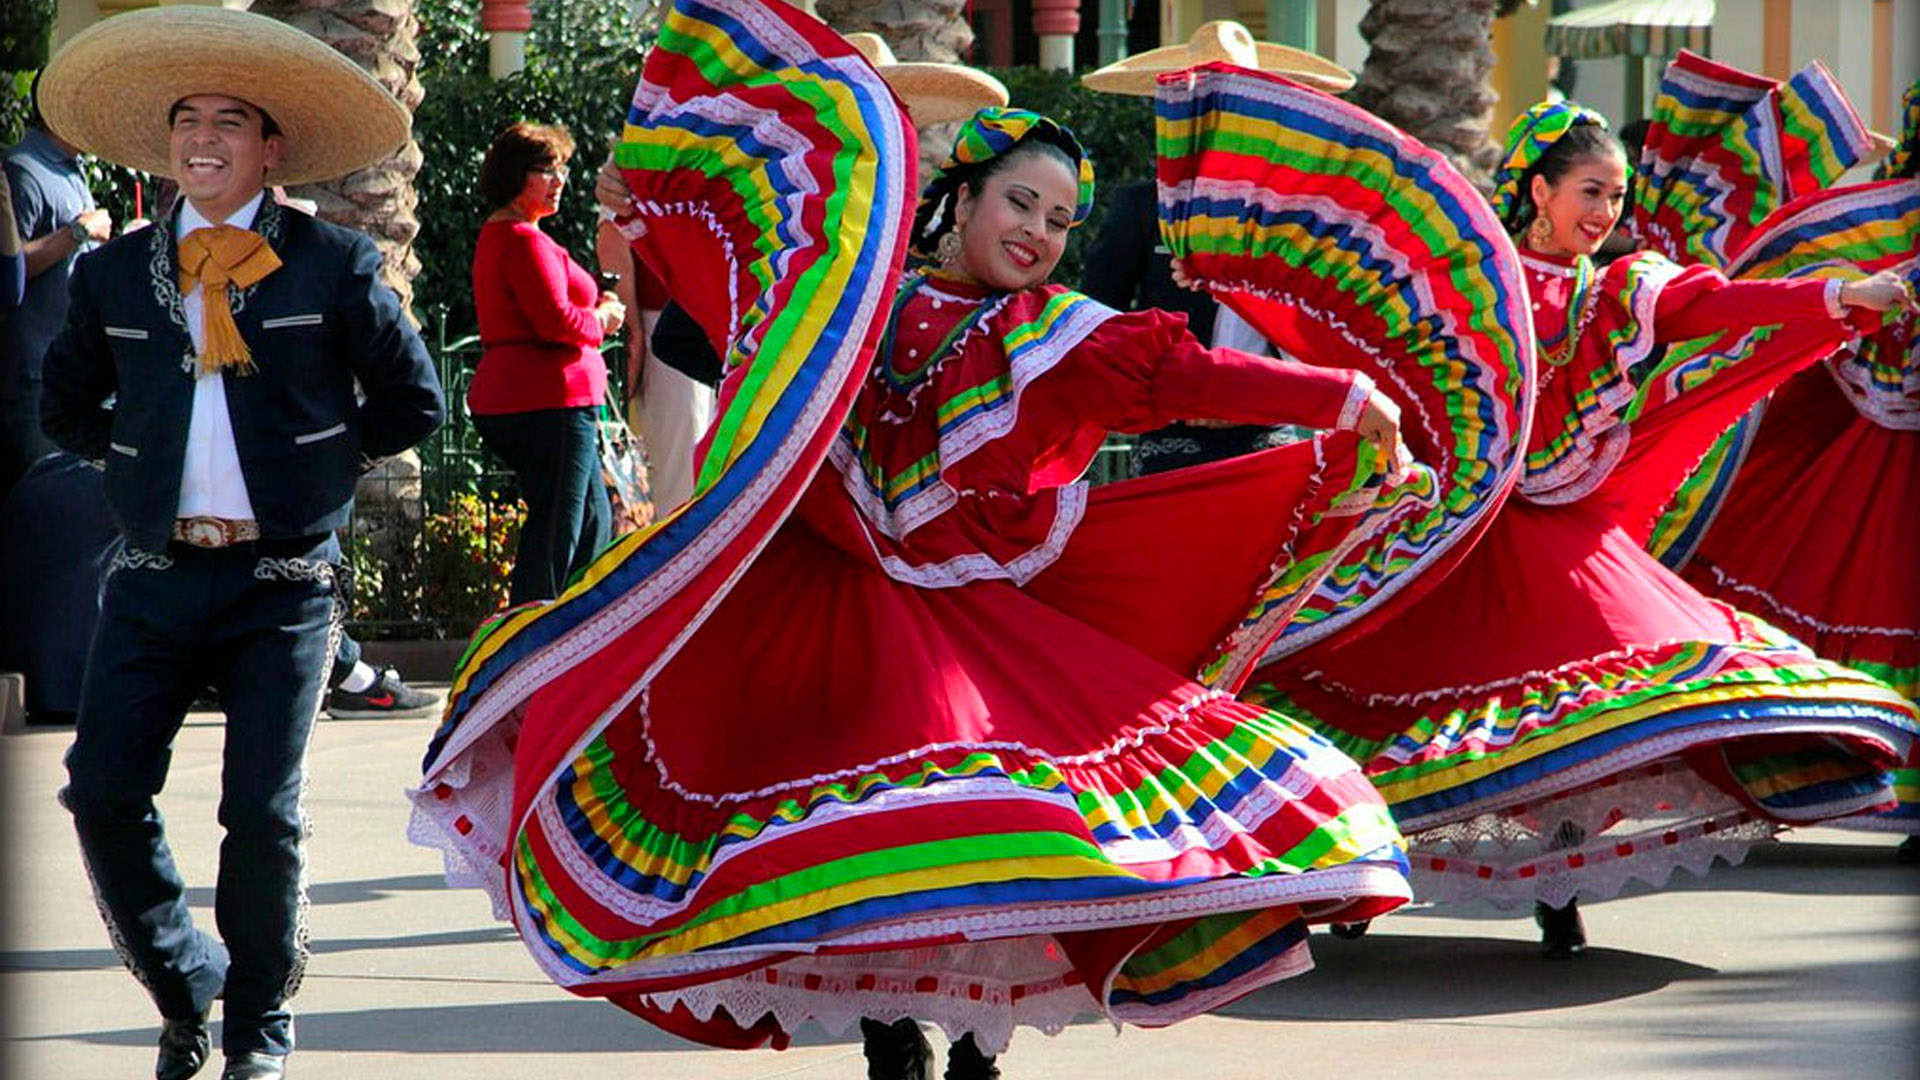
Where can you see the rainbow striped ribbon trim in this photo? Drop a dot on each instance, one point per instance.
(1349, 244)
(1727, 148)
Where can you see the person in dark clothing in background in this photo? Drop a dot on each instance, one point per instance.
(57, 221)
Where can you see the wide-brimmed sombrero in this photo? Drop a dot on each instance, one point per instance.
(109, 89)
(1225, 41)
(933, 93)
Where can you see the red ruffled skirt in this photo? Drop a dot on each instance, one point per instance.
(982, 806)
(1563, 714)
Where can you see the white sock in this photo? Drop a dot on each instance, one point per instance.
(362, 677)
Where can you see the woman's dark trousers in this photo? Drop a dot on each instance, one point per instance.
(555, 454)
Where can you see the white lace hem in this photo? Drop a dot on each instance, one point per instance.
(1573, 480)
(982, 988)
(1358, 395)
(1597, 871)
(985, 989)
(1589, 843)
(1895, 410)
(464, 814)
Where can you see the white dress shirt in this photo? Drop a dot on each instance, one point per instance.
(211, 484)
(1234, 332)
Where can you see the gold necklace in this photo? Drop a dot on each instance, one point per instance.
(1558, 351)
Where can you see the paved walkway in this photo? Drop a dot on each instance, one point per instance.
(1804, 962)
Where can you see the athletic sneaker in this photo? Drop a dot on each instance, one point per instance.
(386, 696)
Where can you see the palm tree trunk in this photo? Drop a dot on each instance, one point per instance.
(932, 30)
(379, 200)
(1427, 74)
(935, 31)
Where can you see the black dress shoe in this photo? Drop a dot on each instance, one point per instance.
(184, 1048)
(966, 1062)
(1562, 937)
(896, 1051)
(254, 1066)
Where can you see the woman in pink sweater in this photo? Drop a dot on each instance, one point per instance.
(541, 379)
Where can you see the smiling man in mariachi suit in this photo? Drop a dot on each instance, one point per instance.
(236, 367)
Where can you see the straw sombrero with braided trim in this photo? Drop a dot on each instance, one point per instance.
(109, 89)
(1223, 41)
(933, 93)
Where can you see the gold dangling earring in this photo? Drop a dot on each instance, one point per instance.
(947, 250)
(1541, 231)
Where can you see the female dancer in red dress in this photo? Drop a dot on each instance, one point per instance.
(895, 718)
(1816, 530)
(1561, 713)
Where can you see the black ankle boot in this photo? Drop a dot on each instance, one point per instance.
(966, 1062)
(1562, 937)
(896, 1051)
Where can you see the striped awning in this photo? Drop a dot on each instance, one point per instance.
(1653, 28)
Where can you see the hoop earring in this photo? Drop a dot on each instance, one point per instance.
(947, 249)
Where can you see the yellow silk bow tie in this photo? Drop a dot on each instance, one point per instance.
(221, 258)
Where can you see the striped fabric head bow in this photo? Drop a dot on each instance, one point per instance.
(1901, 162)
(992, 132)
(1530, 137)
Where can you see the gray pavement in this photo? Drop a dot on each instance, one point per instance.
(1804, 962)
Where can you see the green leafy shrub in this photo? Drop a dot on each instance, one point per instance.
(452, 574)
(469, 558)
(26, 30)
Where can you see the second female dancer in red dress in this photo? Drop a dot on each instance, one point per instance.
(1562, 714)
